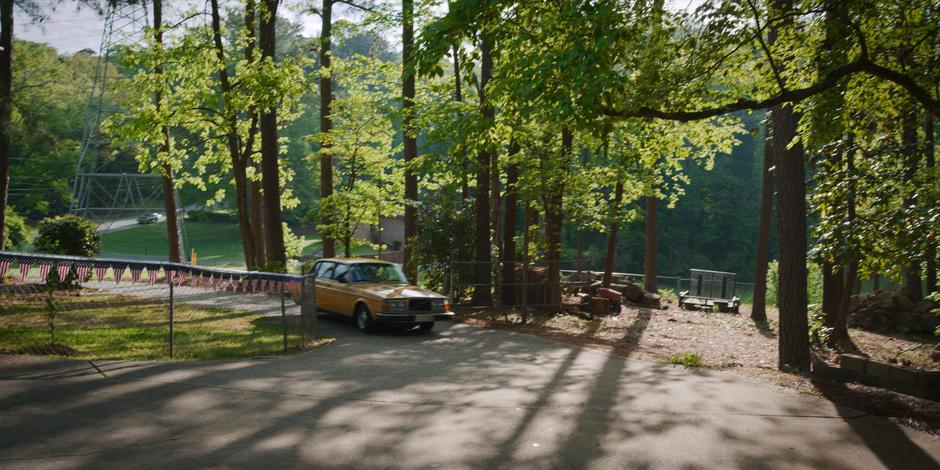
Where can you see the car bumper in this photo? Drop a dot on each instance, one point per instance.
(413, 317)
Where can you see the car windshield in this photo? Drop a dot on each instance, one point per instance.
(377, 273)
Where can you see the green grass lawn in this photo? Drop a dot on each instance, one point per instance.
(213, 242)
(103, 326)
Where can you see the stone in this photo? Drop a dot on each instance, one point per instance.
(905, 304)
(878, 369)
(599, 306)
(633, 293)
(935, 354)
(924, 306)
(613, 296)
(650, 300)
(853, 362)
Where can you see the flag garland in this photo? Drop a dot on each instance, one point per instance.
(44, 269)
(4, 265)
(24, 270)
(63, 270)
(82, 271)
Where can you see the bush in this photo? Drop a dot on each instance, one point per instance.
(68, 235)
(688, 359)
(212, 216)
(16, 233)
(813, 282)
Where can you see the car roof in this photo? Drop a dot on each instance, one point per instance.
(354, 260)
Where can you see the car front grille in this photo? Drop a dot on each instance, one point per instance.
(419, 305)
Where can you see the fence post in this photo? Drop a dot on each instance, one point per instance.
(283, 316)
(169, 279)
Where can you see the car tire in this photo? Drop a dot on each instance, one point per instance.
(426, 326)
(363, 318)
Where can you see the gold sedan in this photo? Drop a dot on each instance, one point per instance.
(374, 292)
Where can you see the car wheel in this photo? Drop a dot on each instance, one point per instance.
(426, 326)
(364, 320)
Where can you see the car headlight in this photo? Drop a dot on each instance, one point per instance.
(437, 303)
(397, 305)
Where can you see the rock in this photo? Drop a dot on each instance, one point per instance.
(924, 306)
(613, 296)
(935, 354)
(651, 300)
(599, 306)
(905, 304)
(591, 288)
(633, 292)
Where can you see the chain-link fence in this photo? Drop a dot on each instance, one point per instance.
(98, 308)
(527, 284)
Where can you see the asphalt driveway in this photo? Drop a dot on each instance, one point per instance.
(460, 397)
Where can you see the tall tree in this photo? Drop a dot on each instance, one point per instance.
(169, 188)
(930, 162)
(649, 245)
(508, 253)
(409, 136)
(759, 303)
(612, 233)
(482, 293)
(6, 104)
(326, 120)
(240, 156)
(270, 174)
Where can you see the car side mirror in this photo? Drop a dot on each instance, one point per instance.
(342, 279)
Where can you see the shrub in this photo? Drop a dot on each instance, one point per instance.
(16, 233)
(813, 282)
(688, 359)
(819, 333)
(212, 216)
(67, 235)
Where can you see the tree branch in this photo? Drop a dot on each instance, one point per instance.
(861, 65)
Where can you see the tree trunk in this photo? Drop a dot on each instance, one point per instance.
(482, 294)
(257, 219)
(270, 177)
(458, 96)
(911, 288)
(508, 252)
(326, 125)
(649, 246)
(554, 220)
(530, 217)
(790, 180)
(6, 106)
(931, 253)
(759, 303)
(833, 286)
(255, 200)
(174, 249)
(840, 332)
(234, 146)
(612, 233)
(410, 140)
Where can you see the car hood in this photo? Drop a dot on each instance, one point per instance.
(392, 291)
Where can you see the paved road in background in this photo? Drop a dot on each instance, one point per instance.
(118, 225)
(459, 397)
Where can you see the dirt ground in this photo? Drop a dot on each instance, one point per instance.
(732, 343)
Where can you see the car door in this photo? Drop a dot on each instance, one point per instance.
(343, 299)
(326, 291)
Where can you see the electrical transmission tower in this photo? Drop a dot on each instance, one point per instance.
(107, 189)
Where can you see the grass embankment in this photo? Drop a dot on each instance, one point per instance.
(103, 326)
(215, 242)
